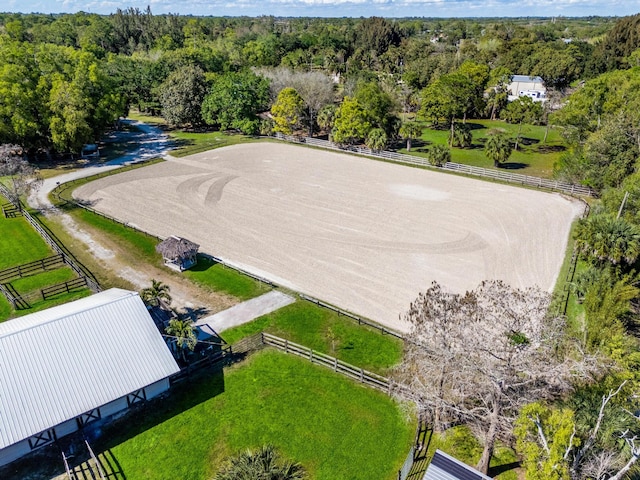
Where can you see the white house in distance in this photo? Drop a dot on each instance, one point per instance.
(69, 365)
(526, 86)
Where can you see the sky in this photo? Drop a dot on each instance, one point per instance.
(340, 8)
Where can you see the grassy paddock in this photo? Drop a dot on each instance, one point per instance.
(333, 426)
(327, 332)
(20, 243)
(215, 276)
(532, 158)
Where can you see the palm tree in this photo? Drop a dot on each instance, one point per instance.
(438, 155)
(261, 464)
(156, 295)
(377, 139)
(184, 333)
(604, 238)
(409, 131)
(498, 147)
(462, 136)
(326, 116)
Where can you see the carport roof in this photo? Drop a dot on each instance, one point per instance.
(62, 362)
(446, 467)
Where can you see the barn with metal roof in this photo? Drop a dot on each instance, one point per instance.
(446, 467)
(69, 365)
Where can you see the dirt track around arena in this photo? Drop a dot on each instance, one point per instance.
(364, 235)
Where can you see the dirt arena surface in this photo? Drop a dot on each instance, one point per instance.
(361, 234)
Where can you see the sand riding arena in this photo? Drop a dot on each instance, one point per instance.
(364, 235)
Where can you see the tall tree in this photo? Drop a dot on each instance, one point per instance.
(183, 331)
(157, 294)
(351, 123)
(235, 99)
(448, 97)
(498, 147)
(479, 357)
(287, 111)
(522, 110)
(409, 131)
(23, 177)
(181, 96)
(376, 139)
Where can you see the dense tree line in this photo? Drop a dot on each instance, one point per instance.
(134, 58)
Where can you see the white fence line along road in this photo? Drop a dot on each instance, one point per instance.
(508, 177)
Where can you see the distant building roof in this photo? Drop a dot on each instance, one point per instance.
(526, 78)
(176, 247)
(446, 467)
(62, 362)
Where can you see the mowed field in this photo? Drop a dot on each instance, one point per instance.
(364, 235)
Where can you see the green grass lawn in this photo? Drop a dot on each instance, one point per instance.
(533, 157)
(19, 242)
(336, 428)
(325, 331)
(31, 285)
(215, 276)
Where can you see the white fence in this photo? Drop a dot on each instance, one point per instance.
(501, 175)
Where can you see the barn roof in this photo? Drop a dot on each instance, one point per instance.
(62, 362)
(176, 247)
(446, 467)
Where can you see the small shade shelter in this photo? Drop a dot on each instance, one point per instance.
(178, 253)
(446, 467)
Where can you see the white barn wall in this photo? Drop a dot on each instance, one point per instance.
(157, 388)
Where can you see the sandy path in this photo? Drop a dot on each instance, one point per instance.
(146, 142)
(247, 311)
(365, 235)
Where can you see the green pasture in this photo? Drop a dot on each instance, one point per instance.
(333, 426)
(215, 276)
(533, 157)
(19, 242)
(325, 331)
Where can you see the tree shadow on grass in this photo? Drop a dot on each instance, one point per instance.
(513, 166)
(191, 391)
(496, 470)
(550, 148)
(204, 263)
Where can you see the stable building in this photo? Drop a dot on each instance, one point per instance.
(178, 253)
(67, 366)
(526, 86)
(446, 467)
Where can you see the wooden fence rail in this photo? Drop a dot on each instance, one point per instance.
(25, 269)
(501, 175)
(360, 320)
(65, 287)
(13, 297)
(363, 376)
(91, 281)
